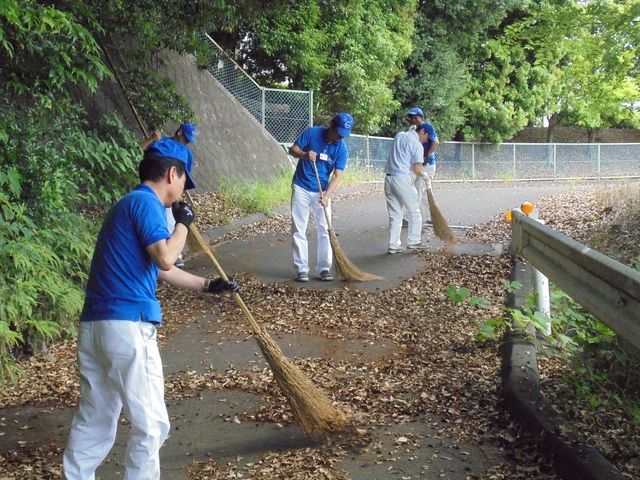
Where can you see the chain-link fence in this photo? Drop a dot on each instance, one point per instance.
(465, 161)
(283, 113)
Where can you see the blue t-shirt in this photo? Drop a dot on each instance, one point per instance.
(172, 148)
(433, 135)
(337, 154)
(123, 278)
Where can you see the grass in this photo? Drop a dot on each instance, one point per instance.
(265, 196)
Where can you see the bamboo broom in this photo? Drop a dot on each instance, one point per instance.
(440, 226)
(350, 272)
(315, 412)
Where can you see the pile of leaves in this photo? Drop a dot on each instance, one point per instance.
(437, 366)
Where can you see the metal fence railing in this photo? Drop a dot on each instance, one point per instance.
(283, 113)
(466, 161)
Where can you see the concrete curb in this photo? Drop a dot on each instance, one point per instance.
(573, 459)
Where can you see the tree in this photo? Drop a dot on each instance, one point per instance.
(347, 52)
(601, 86)
(438, 72)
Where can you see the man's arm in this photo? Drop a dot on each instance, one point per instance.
(165, 252)
(434, 146)
(297, 152)
(156, 135)
(181, 279)
(333, 184)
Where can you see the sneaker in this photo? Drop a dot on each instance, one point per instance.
(302, 277)
(393, 250)
(416, 246)
(325, 276)
(179, 262)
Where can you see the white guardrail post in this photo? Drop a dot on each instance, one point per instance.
(603, 286)
(539, 280)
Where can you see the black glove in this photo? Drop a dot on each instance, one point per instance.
(182, 213)
(219, 285)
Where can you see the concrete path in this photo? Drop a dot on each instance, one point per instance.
(205, 427)
(361, 225)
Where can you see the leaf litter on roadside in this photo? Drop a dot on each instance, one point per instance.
(434, 365)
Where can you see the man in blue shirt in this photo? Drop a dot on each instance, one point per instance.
(325, 147)
(118, 357)
(186, 133)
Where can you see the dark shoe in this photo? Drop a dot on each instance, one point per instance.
(179, 262)
(302, 277)
(393, 250)
(428, 222)
(325, 276)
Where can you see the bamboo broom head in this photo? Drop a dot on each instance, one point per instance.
(440, 226)
(350, 272)
(315, 412)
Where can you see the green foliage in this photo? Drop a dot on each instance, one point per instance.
(457, 294)
(43, 49)
(155, 97)
(600, 83)
(348, 53)
(511, 286)
(57, 162)
(264, 197)
(50, 167)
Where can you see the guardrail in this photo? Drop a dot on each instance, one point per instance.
(606, 288)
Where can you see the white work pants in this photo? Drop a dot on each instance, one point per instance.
(402, 196)
(302, 202)
(120, 367)
(421, 188)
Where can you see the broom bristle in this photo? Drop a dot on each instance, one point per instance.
(440, 226)
(315, 412)
(350, 272)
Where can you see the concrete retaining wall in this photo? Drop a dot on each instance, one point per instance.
(231, 143)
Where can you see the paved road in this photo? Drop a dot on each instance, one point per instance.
(362, 225)
(200, 426)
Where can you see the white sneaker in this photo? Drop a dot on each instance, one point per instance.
(393, 250)
(416, 246)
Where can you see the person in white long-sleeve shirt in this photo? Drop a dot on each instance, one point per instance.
(405, 159)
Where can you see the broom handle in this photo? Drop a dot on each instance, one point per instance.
(205, 248)
(326, 216)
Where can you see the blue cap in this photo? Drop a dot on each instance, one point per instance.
(344, 123)
(190, 131)
(415, 111)
(169, 148)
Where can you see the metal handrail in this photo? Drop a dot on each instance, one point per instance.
(605, 287)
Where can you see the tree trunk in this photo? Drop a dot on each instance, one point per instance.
(551, 128)
(591, 134)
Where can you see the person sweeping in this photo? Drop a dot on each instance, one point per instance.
(325, 147)
(404, 161)
(118, 357)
